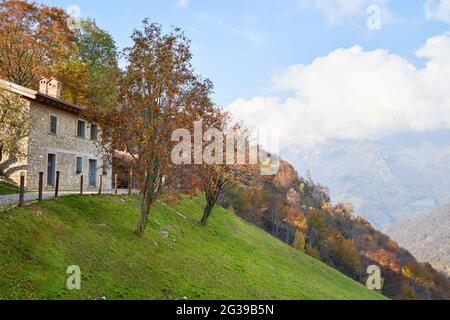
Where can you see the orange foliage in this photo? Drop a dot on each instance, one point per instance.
(385, 259)
(297, 219)
(33, 39)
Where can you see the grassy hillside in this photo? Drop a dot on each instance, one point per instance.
(228, 259)
(7, 189)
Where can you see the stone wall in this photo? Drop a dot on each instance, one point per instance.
(66, 146)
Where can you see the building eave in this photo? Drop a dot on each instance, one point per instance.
(12, 87)
(40, 97)
(58, 103)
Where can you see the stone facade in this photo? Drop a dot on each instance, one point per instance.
(49, 152)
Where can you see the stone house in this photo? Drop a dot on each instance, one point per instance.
(59, 140)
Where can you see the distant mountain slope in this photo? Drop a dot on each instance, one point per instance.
(427, 237)
(387, 180)
(298, 212)
(177, 257)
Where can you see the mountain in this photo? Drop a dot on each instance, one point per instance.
(427, 237)
(176, 259)
(298, 211)
(387, 180)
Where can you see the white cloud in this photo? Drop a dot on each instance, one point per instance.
(438, 10)
(183, 3)
(355, 94)
(337, 10)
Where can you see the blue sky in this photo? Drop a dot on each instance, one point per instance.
(241, 44)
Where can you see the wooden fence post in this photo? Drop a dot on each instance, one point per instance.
(81, 184)
(22, 190)
(41, 186)
(101, 185)
(57, 185)
(116, 181)
(130, 182)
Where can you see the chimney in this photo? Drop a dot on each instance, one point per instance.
(50, 87)
(43, 85)
(54, 88)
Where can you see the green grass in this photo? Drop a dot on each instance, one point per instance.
(229, 259)
(7, 189)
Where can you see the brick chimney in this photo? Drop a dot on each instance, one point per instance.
(50, 87)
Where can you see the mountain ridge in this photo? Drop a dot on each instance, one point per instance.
(426, 236)
(388, 179)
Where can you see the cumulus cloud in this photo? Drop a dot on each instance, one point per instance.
(355, 94)
(336, 10)
(438, 10)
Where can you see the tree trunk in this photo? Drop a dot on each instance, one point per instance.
(208, 209)
(145, 208)
(146, 202)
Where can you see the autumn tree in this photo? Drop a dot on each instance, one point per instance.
(344, 255)
(312, 252)
(312, 194)
(214, 181)
(343, 218)
(159, 93)
(14, 127)
(299, 241)
(299, 223)
(33, 40)
(317, 228)
(225, 159)
(417, 273)
(91, 73)
(248, 203)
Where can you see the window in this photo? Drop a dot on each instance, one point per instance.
(79, 165)
(53, 124)
(105, 167)
(51, 170)
(81, 128)
(92, 172)
(94, 132)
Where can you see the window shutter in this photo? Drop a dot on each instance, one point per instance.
(94, 132)
(79, 165)
(53, 124)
